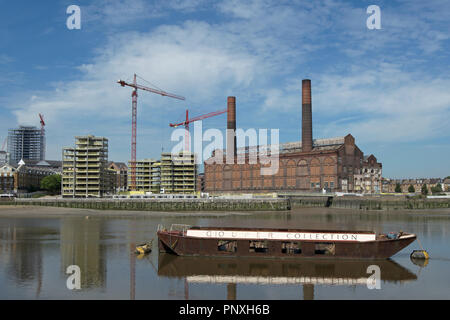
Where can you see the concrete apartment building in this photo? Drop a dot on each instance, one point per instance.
(26, 143)
(85, 171)
(174, 173)
(148, 175)
(178, 173)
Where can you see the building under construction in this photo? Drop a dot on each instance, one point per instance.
(178, 172)
(85, 172)
(173, 173)
(148, 175)
(308, 165)
(26, 143)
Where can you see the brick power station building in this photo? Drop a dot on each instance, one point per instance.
(336, 164)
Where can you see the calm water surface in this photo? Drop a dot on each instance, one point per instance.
(36, 249)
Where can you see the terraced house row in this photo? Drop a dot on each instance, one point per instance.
(26, 176)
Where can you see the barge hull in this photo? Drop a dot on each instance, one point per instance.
(172, 242)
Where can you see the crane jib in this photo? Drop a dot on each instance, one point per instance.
(135, 87)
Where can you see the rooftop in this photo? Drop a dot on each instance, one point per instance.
(326, 144)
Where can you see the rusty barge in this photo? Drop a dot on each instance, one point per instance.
(184, 240)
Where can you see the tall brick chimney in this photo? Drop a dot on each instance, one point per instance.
(231, 128)
(307, 140)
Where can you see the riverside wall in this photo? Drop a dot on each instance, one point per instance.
(268, 204)
(369, 203)
(160, 205)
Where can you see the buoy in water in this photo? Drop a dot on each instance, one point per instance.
(144, 248)
(420, 258)
(420, 254)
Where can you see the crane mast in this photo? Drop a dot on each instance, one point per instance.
(41, 117)
(134, 95)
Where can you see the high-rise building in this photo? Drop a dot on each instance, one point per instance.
(85, 171)
(87, 252)
(26, 143)
(178, 173)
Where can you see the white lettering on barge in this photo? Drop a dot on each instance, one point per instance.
(276, 235)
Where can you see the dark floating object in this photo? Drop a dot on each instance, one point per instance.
(420, 254)
(144, 248)
(420, 258)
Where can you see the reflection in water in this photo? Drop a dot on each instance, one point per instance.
(132, 260)
(21, 253)
(80, 245)
(233, 271)
(26, 261)
(36, 250)
(231, 291)
(420, 262)
(308, 292)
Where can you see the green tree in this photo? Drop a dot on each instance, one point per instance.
(52, 183)
(424, 189)
(437, 188)
(398, 188)
(411, 189)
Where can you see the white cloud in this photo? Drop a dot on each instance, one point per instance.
(245, 53)
(118, 12)
(382, 103)
(191, 60)
(5, 59)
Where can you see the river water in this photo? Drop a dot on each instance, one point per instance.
(37, 245)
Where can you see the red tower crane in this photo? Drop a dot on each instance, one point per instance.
(41, 117)
(187, 121)
(42, 123)
(134, 96)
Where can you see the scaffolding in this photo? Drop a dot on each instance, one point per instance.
(85, 172)
(27, 143)
(178, 172)
(148, 175)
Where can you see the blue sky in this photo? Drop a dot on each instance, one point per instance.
(389, 88)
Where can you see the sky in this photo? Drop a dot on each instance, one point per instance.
(388, 87)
